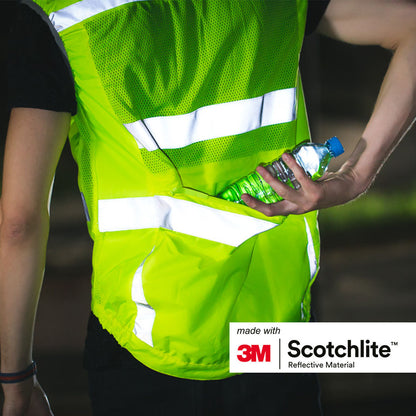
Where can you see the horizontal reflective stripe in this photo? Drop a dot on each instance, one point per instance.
(178, 215)
(77, 12)
(213, 121)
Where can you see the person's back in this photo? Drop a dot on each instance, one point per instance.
(176, 100)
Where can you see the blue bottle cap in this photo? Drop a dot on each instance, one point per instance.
(334, 146)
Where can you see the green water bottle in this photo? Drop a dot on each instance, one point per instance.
(314, 158)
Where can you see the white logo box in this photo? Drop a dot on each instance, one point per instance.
(323, 347)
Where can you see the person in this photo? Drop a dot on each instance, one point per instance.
(35, 138)
(178, 175)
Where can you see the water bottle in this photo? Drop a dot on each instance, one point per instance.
(312, 157)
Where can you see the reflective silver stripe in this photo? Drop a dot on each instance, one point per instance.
(178, 215)
(145, 317)
(213, 121)
(77, 12)
(313, 263)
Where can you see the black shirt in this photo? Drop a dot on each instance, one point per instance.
(38, 72)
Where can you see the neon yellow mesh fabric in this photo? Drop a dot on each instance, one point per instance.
(205, 54)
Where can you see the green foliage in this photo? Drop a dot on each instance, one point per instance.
(374, 209)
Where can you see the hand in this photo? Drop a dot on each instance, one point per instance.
(26, 398)
(332, 189)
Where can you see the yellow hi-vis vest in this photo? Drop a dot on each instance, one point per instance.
(176, 100)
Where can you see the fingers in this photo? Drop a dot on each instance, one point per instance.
(271, 210)
(300, 175)
(280, 188)
(303, 199)
(256, 204)
(300, 180)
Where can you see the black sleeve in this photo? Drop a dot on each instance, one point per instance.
(39, 75)
(316, 9)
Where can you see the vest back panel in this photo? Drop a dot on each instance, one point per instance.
(176, 100)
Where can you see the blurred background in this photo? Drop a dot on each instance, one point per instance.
(368, 259)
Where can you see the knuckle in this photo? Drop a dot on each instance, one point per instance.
(310, 205)
(314, 200)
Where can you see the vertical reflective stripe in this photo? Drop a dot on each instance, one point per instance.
(77, 12)
(84, 204)
(302, 312)
(178, 215)
(145, 317)
(313, 264)
(213, 121)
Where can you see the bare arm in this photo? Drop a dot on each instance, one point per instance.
(392, 25)
(34, 143)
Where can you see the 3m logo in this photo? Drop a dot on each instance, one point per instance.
(253, 353)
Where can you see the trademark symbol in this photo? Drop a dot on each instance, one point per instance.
(394, 343)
